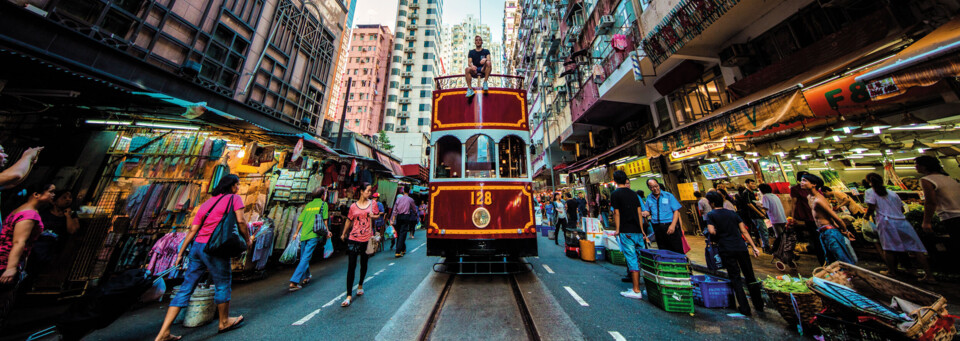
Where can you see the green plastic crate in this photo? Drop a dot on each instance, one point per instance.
(669, 298)
(671, 281)
(673, 270)
(616, 257)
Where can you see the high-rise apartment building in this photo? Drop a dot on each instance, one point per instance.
(458, 40)
(511, 21)
(414, 64)
(366, 67)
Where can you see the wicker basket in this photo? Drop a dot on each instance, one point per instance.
(882, 289)
(809, 305)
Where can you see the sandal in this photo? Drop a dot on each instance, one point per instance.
(235, 325)
(172, 338)
(360, 292)
(295, 288)
(306, 280)
(346, 303)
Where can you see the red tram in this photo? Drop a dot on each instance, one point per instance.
(481, 201)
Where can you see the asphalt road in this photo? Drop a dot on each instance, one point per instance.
(587, 293)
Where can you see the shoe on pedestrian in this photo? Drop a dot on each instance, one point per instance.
(631, 294)
(294, 287)
(397, 255)
(404, 253)
(346, 302)
(360, 292)
(470, 92)
(235, 325)
(485, 87)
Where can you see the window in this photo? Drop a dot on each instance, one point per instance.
(428, 44)
(391, 112)
(349, 109)
(427, 68)
(395, 72)
(449, 158)
(392, 98)
(224, 57)
(406, 81)
(399, 35)
(394, 84)
(396, 59)
(404, 107)
(431, 22)
(429, 56)
(513, 158)
(364, 71)
(663, 112)
(403, 122)
(388, 127)
(424, 94)
(398, 47)
(351, 96)
(405, 94)
(421, 121)
(425, 80)
(373, 37)
(401, 13)
(401, 24)
(409, 68)
(480, 157)
(431, 11)
(424, 107)
(428, 33)
(700, 98)
(410, 44)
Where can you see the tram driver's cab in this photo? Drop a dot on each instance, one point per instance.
(486, 158)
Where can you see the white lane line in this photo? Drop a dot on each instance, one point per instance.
(418, 248)
(576, 297)
(335, 299)
(391, 264)
(380, 272)
(617, 336)
(307, 318)
(368, 279)
(547, 267)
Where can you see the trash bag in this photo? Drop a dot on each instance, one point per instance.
(292, 253)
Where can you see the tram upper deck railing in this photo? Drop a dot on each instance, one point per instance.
(498, 81)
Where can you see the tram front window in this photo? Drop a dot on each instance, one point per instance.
(480, 157)
(449, 158)
(513, 158)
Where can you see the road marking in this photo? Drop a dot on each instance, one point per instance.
(335, 299)
(418, 248)
(307, 318)
(548, 268)
(380, 272)
(391, 264)
(368, 279)
(576, 297)
(617, 336)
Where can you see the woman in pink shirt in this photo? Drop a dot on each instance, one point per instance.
(204, 223)
(21, 228)
(357, 233)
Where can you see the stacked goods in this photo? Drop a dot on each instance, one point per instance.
(856, 294)
(666, 276)
(780, 290)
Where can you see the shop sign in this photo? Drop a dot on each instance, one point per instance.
(636, 167)
(563, 179)
(697, 150)
(846, 96)
(883, 87)
(737, 167)
(685, 190)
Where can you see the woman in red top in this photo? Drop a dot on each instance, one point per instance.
(20, 230)
(204, 223)
(359, 228)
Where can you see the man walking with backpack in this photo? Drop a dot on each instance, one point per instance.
(404, 218)
(311, 228)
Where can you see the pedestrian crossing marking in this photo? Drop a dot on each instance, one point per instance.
(576, 297)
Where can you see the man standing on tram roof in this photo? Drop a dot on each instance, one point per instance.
(479, 66)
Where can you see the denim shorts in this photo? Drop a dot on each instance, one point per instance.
(630, 244)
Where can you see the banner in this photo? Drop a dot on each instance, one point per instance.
(685, 191)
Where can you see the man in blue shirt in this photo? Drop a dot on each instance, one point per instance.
(664, 212)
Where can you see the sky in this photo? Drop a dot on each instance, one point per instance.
(454, 11)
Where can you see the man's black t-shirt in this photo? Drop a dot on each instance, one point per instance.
(744, 200)
(627, 202)
(573, 206)
(475, 56)
(727, 224)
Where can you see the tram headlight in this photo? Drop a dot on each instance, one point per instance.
(481, 217)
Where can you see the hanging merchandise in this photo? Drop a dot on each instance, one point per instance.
(619, 42)
(297, 150)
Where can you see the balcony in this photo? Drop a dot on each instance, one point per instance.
(402, 129)
(408, 62)
(414, 5)
(584, 99)
(406, 74)
(413, 27)
(413, 16)
(403, 114)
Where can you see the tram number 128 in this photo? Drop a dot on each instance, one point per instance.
(480, 198)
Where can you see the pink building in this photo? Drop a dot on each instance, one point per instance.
(367, 65)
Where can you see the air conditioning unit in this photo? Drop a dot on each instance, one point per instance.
(606, 23)
(408, 62)
(403, 114)
(406, 87)
(736, 55)
(409, 49)
(413, 27)
(414, 5)
(411, 38)
(406, 74)
(404, 101)
(402, 129)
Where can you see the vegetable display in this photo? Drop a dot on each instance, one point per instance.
(786, 284)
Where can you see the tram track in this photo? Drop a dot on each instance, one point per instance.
(452, 297)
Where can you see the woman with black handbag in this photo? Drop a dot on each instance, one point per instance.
(213, 214)
(357, 232)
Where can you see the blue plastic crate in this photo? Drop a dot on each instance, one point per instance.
(601, 253)
(663, 256)
(712, 292)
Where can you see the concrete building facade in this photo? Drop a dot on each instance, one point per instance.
(415, 62)
(511, 21)
(458, 40)
(344, 45)
(366, 67)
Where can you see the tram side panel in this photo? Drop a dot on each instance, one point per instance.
(481, 219)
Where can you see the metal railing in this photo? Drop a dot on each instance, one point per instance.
(456, 81)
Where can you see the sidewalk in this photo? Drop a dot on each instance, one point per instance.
(806, 263)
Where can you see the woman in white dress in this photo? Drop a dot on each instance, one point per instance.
(897, 236)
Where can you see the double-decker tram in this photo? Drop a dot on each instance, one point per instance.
(481, 204)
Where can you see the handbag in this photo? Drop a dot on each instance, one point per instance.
(320, 226)
(373, 244)
(712, 254)
(225, 241)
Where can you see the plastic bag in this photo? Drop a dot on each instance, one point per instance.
(869, 230)
(328, 248)
(292, 252)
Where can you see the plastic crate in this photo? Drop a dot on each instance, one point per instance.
(671, 281)
(674, 270)
(712, 292)
(617, 258)
(601, 253)
(669, 298)
(544, 230)
(663, 256)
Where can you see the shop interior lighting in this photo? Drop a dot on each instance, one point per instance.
(858, 150)
(110, 122)
(904, 168)
(859, 168)
(874, 125)
(946, 142)
(811, 137)
(836, 137)
(234, 145)
(167, 126)
(918, 146)
(911, 122)
(818, 168)
(918, 127)
(845, 126)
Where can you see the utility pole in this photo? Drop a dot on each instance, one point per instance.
(343, 115)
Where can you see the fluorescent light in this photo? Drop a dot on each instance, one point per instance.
(904, 168)
(167, 126)
(917, 127)
(854, 156)
(858, 150)
(859, 168)
(234, 145)
(818, 168)
(110, 122)
(871, 154)
(946, 142)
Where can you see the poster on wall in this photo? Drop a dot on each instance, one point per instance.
(712, 171)
(686, 191)
(737, 167)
